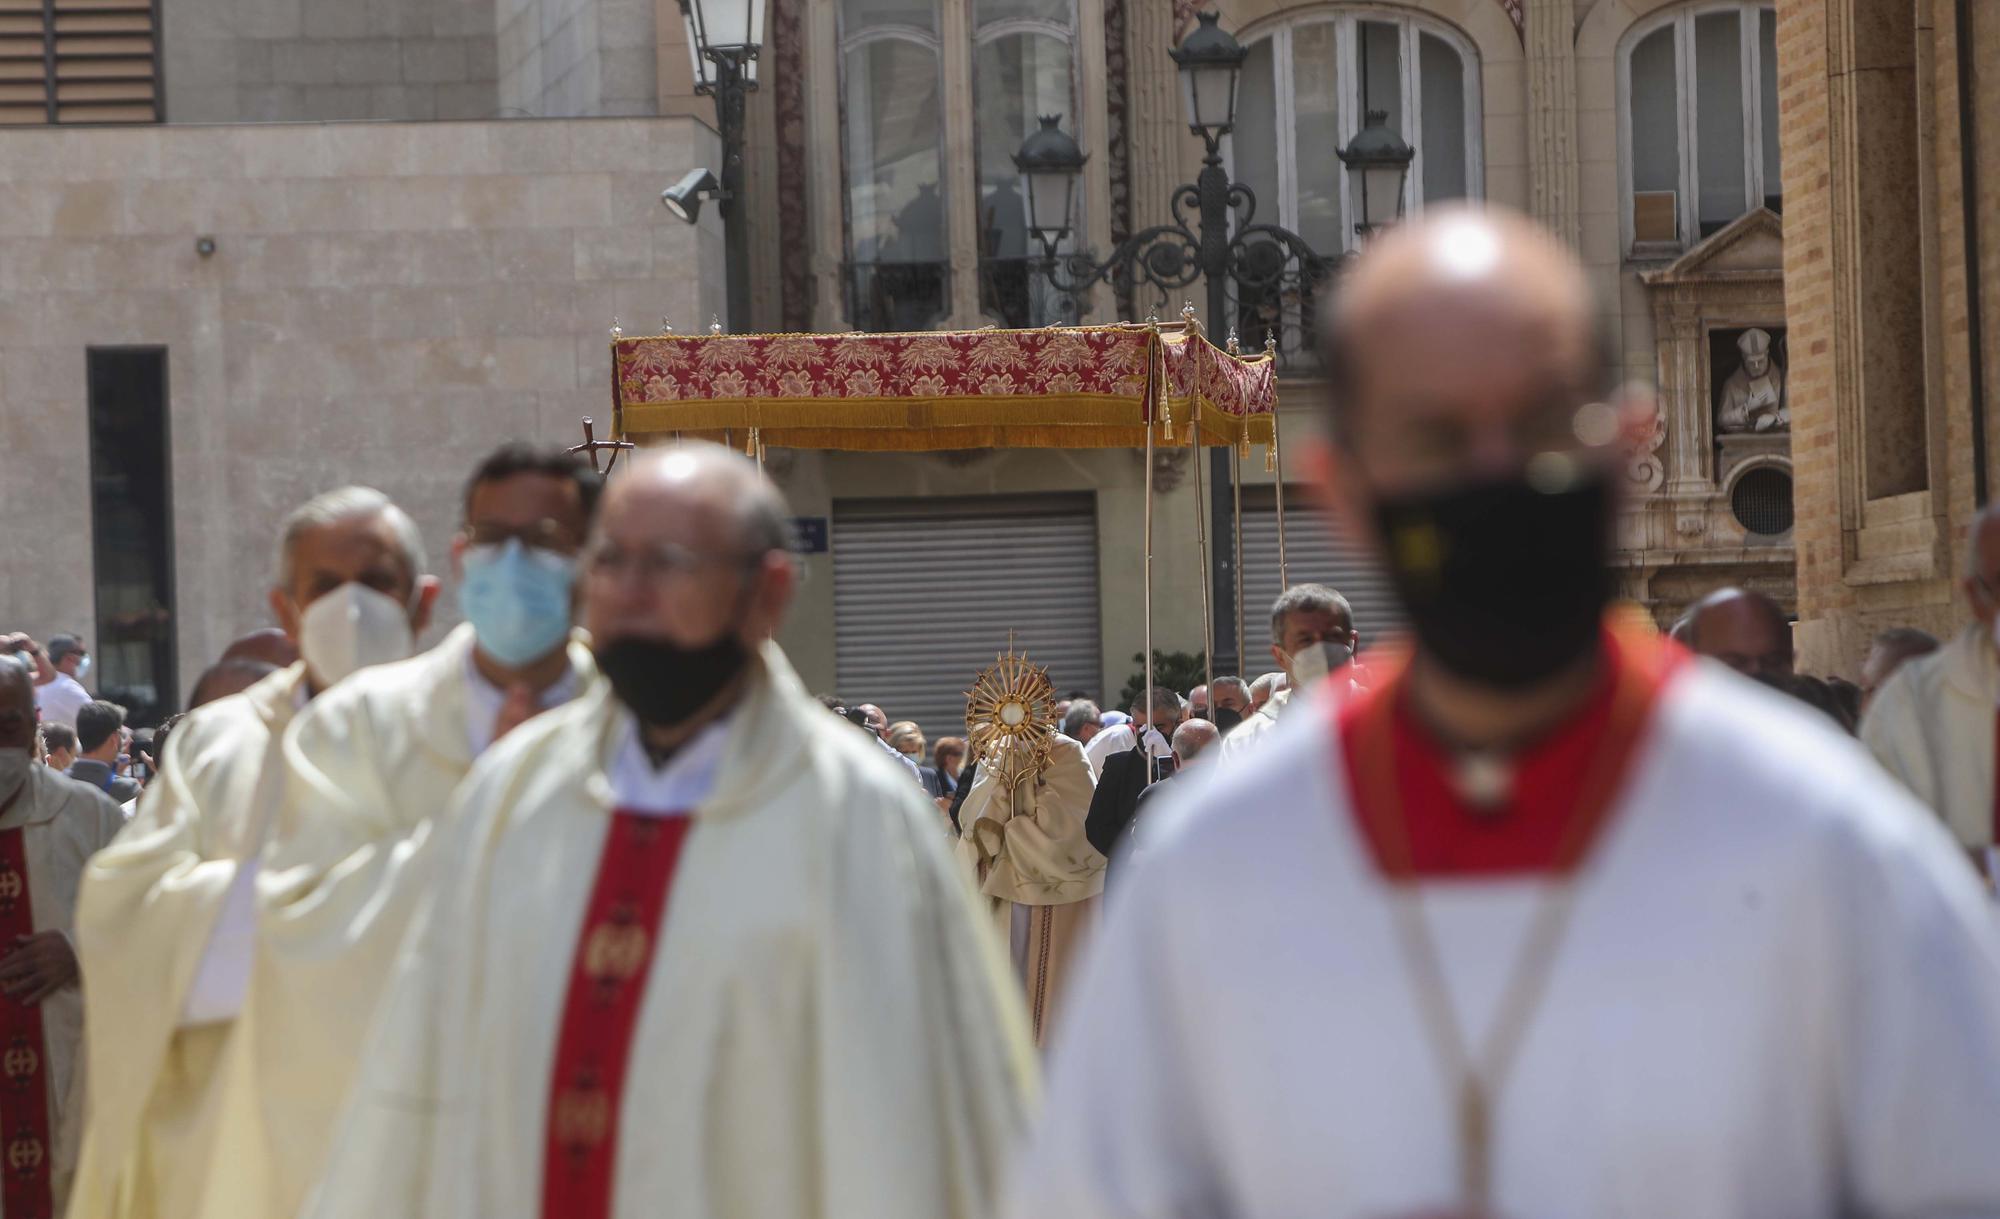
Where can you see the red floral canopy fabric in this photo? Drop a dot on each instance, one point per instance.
(1060, 387)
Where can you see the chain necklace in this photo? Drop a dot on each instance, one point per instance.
(1479, 1077)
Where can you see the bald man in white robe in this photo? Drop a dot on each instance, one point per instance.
(699, 950)
(1553, 920)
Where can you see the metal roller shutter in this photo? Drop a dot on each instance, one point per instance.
(1314, 556)
(926, 591)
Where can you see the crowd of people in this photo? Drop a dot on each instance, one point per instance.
(592, 910)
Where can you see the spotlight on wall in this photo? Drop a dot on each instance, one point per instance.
(205, 246)
(685, 197)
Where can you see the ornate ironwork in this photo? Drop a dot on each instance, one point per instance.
(1263, 280)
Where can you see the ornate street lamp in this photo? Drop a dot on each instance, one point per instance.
(1051, 163)
(1378, 163)
(1275, 272)
(723, 34)
(1210, 62)
(724, 37)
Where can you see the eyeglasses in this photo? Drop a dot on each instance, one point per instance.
(656, 564)
(545, 534)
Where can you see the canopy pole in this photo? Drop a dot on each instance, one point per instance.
(1278, 461)
(1139, 732)
(1201, 548)
(1236, 490)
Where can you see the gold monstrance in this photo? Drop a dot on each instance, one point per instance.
(1010, 713)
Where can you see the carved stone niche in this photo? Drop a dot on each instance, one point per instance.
(1719, 322)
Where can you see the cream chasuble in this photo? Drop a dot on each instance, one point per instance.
(370, 765)
(1776, 992)
(1028, 854)
(145, 914)
(50, 829)
(797, 1014)
(1933, 725)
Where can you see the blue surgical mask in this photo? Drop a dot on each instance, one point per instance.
(517, 599)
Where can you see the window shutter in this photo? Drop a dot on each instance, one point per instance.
(1313, 555)
(927, 591)
(79, 61)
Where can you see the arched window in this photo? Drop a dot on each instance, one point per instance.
(1022, 68)
(1698, 114)
(892, 133)
(1307, 87)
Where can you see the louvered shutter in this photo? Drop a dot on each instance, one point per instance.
(926, 591)
(79, 61)
(1314, 556)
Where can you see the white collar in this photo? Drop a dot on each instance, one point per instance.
(483, 700)
(681, 786)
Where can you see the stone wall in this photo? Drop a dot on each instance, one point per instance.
(237, 61)
(384, 304)
(569, 58)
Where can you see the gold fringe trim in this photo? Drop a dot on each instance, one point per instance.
(890, 440)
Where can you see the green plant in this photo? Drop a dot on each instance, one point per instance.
(1177, 671)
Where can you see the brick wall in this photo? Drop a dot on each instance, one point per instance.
(1803, 134)
(1867, 564)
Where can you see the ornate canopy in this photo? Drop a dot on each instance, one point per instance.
(1059, 387)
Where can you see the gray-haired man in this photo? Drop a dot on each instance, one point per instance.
(1312, 634)
(164, 913)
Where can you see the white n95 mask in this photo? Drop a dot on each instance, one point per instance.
(351, 628)
(1316, 660)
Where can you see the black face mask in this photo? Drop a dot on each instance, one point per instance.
(664, 683)
(1505, 584)
(1227, 718)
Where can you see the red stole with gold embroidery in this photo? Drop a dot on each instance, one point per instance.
(24, 1058)
(622, 925)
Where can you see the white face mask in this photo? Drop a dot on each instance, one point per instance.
(83, 668)
(1316, 660)
(351, 628)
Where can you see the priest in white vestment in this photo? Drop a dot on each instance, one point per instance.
(1312, 636)
(698, 950)
(1024, 843)
(1934, 723)
(1554, 920)
(49, 826)
(166, 910)
(370, 766)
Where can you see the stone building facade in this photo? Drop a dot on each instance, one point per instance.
(204, 325)
(1674, 142)
(1892, 277)
(1645, 132)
